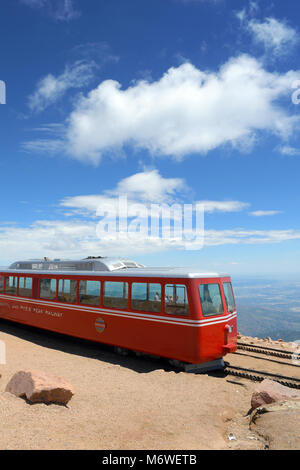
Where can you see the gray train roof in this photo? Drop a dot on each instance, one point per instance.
(164, 272)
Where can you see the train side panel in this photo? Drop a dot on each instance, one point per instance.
(153, 334)
(193, 339)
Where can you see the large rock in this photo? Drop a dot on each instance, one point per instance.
(40, 387)
(278, 424)
(269, 391)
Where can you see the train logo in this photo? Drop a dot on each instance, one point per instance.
(100, 325)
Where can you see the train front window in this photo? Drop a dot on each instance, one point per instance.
(230, 303)
(11, 285)
(25, 287)
(67, 291)
(115, 294)
(146, 297)
(211, 301)
(89, 292)
(48, 289)
(176, 300)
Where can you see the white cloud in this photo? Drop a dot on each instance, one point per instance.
(275, 35)
(45, 146)
(288, 150)
(65, 11)
(59, 10)
(98, 52)
(252, 237)
(264, 213)
(187, 111)
(77, 239)
(248, 11)
(50, 88)
(150, 186)
(253, 7)
(223, 206)
(141, 188)
(241, 15)
(147, 187)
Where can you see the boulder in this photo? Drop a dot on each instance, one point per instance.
(278, 424)
(40, 387)
(269, 391)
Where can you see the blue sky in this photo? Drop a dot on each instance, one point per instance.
(166, 101)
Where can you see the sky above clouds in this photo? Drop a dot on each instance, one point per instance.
(166, 102)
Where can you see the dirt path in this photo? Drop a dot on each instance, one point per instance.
(119, 402)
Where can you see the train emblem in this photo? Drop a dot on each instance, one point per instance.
(100, 325)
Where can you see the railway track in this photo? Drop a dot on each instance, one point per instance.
(259, 375)
(266, 351)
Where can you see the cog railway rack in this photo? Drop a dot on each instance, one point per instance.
(264, 355)
(265, 350)
(259, 376)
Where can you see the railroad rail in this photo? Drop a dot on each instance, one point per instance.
(259, 376)
(266, 351)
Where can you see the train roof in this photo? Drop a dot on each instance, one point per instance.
(104, 266)
(142, 272)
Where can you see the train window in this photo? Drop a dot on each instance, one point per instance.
(115, 294)
(176, 301)
(211, 300)
(67, 290)
(48, 289)
(89, 292)
(230, 303)
(1, 284)
(11, 285)
(146, 297)
(25, 287)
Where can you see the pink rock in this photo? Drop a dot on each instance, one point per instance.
(269, 391)
(38, 386)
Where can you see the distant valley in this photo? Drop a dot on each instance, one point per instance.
(268, 308)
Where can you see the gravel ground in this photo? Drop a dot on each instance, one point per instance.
(119, 402)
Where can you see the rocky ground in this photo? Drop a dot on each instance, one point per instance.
(132, 403)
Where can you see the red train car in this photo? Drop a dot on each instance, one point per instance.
(180, 314)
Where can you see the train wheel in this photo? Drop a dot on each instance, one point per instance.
(121, 351)
(176, 363)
